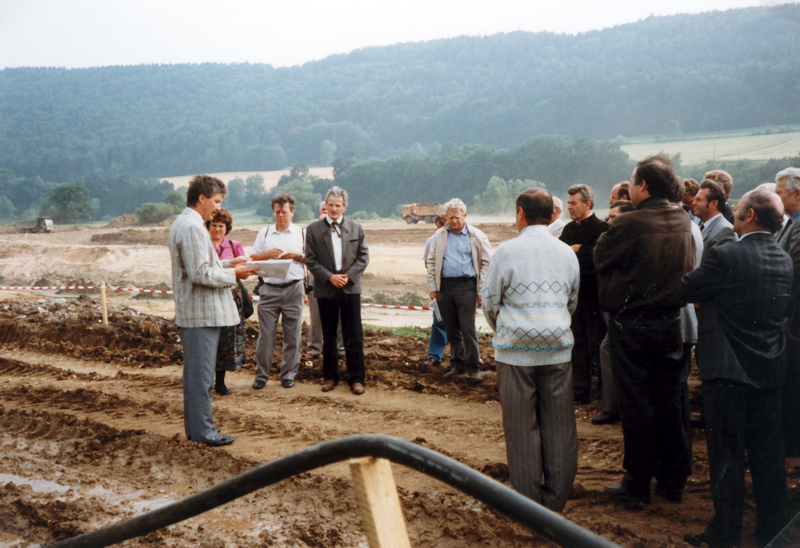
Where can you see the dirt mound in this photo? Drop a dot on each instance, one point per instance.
(122, 221)
(74, 328)
(133, 237)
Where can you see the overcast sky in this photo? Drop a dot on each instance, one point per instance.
(88, 33)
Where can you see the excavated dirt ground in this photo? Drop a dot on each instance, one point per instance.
(91, 432)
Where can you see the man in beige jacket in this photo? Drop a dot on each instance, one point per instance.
(458, 261)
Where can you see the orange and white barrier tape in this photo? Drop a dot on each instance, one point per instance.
(168, 292)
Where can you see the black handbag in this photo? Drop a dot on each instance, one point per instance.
(247, 304)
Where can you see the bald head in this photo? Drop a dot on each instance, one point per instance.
(758, 210)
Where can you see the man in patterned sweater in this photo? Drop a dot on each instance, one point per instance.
(528, 303)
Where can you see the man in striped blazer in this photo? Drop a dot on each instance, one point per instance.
(743, 288)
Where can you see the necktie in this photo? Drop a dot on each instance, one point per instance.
(337, 229)
(702, 226)
(785, 228)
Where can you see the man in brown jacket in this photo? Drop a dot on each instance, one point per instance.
(640, 262)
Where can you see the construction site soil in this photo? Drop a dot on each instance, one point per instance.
(91, 433)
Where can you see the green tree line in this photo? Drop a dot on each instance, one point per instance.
(705, 72)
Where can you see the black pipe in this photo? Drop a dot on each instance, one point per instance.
(492, 493)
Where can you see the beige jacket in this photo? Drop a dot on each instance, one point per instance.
(481, 256)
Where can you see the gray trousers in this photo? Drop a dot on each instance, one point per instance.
(199, 360)
(285, 303)
(610, 399)
(539, 425)
(315, 329)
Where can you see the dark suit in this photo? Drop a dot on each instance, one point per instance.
(588, 326)
(344, 302)
(743, 288)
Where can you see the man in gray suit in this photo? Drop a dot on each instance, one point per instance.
(707, 206)
(203, 302)
(744, 288)
(787, 187)
(337, 255)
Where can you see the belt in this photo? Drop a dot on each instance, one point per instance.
(459, 279)
(282, 286)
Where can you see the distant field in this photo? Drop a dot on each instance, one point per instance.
(270, 177)
(699, 149)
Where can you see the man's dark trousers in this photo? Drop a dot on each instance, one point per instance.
(647, 359)
(348, 307)
(457, 301)
(738, 417)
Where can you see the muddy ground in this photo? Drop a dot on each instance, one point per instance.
(92, 433)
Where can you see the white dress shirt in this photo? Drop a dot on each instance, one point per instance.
(290, 239)
(336, 237)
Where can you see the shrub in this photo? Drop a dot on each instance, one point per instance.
(150, 213)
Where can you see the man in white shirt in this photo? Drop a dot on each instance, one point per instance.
(280, 298)
(556, 226)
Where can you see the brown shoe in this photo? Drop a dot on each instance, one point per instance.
(309, 356)
(327, 386)
(357, 388)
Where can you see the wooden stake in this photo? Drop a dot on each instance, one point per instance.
(104, 302)
(378, 503)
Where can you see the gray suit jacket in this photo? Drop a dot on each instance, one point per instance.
(743, 288)
(719, 232)
(322, 264)
(791, 238)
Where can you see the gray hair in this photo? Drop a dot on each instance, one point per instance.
(456, 205)
(585, 191)
(557, 203)
(322, 203)
(335, 192)
(792, 176)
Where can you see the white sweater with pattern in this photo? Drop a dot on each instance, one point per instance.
(529, 294)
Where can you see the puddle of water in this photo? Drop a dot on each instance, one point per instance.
(40, 486)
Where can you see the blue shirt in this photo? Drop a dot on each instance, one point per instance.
(457, 260)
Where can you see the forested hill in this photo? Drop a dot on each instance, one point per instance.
(707, 72)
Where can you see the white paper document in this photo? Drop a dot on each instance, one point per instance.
(275, 268)
(436, 314)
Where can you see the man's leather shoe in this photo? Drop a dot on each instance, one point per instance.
(222, 390)
(454, 372)
(258, 385)
(475, 377)
(220, 441)
(327, 386)
(606, 418)
(430, 361)
(670, 495)
(704, 538)
(357, 388)
(623, 494)
(287, 383)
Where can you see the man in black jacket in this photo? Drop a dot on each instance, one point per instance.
(337, 256)
(640, 262)
(588, 326)
(743, 289)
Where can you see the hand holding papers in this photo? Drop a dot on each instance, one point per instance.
(275, 268)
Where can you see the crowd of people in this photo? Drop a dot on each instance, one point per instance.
(674, 272)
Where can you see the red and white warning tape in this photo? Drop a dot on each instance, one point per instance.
(162, 291)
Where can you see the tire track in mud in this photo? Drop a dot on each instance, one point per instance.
(318, 510)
